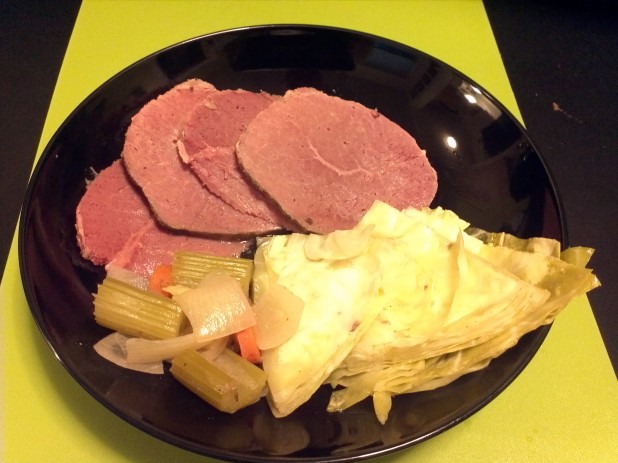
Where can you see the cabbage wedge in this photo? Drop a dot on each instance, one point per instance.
(341, 298)
(504, 288)
(408, 301)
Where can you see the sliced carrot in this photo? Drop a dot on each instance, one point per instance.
(160, 278)
(247, 344)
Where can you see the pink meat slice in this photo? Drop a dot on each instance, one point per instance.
(325, 160)
(114, 225)
(108, 214)
(208, 146)
(176, 196)
(152, 245)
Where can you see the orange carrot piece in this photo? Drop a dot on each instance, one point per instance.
(160, 278)
(247, 344)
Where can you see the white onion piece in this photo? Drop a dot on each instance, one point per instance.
(150, 350)
(277, 315)
(113, 348)
(175, 290)
(127, 276)
(217, 306)
(213, 349)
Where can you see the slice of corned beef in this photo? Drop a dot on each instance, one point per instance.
(152, 245)
(114, 225)
(208, 145)
(325, 160)
(108, 214)
(174, 193)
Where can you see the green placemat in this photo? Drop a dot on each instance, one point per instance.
(562, 408)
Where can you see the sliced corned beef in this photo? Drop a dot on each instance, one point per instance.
(325, 160)
(208, 145)
(114, 224)
(108, 214)
(175, 194)
(152, 245)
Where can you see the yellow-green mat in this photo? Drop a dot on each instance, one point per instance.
(562, 408)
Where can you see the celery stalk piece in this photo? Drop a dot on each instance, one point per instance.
(251, 378)
(207, 381)
(228, 382)
(189, 268)
(136, 312)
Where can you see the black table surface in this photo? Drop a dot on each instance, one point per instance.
(561, 59)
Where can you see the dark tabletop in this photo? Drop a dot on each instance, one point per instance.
(562, 62)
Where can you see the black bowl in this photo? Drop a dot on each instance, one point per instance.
(489, 173)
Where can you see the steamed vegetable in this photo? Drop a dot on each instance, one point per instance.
(260, 278)
(189, 268)
(113, 348)
(539, 245)
(126, 276)
(140, 350)
(449, 302)
(136, 312)
(578, 256)
(160, 278)
(340, 300)
(406, 301)
(228, 382)
(248, 346)
(216, 308)
(277, 316)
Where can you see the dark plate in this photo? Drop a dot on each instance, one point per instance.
(489, 173)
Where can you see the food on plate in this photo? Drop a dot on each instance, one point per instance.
(108, 214)
(277, 316)
(228, 382)
(177, 197)
(405, 301)
(190, 268)
(369, 290)
(209, 312)
(207, 144)
(444, 321)
(115, 227)
(135, 312)
(179, 184)
(217, 305)
(246, 163)
(338, 157)
(340, 299)
(449, 303)
(112, 348)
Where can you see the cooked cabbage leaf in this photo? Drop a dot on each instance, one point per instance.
(341, 298)
(408, 301)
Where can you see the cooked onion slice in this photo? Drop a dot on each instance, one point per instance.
(217, 307)
(213, 349)
(113, 348)
(278, 314)
(141, 350)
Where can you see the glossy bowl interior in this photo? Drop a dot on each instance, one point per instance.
(489, 173)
